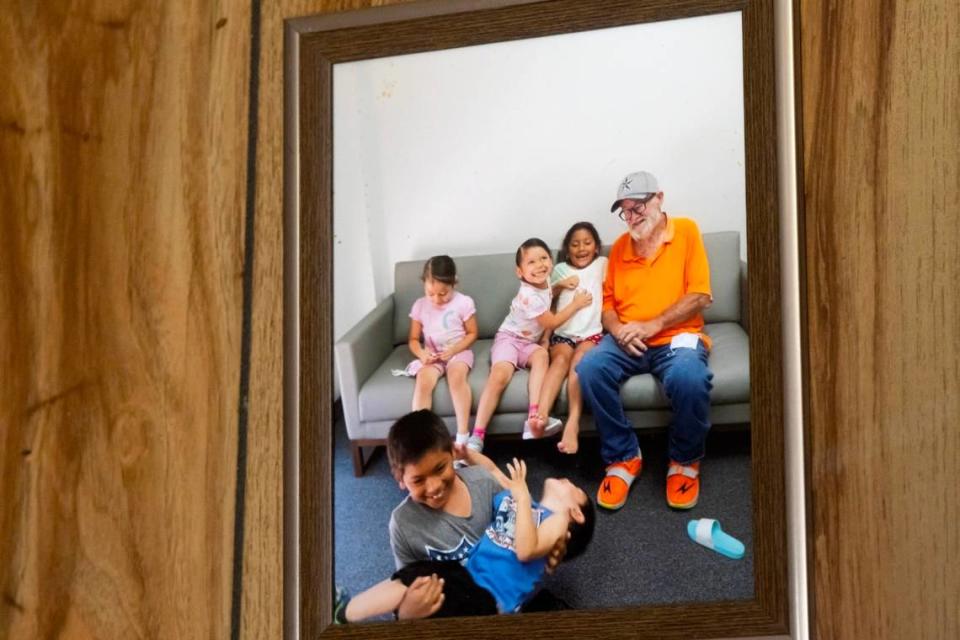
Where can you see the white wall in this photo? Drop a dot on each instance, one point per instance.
(474, 150)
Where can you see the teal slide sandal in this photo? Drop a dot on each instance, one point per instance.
(707, 531)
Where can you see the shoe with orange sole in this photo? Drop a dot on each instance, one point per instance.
(683, 485)
(616, 483)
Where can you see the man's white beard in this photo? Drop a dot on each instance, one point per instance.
(643, 231)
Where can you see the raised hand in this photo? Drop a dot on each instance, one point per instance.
(517, 480)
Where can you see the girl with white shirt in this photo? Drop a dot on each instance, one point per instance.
(579, 267)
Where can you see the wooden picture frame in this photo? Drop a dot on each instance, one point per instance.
(313, 45)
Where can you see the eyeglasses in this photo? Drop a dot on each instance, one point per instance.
(636, 209)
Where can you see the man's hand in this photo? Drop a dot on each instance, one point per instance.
(632, 336)
(638, 330)
(632, 345)
(422, 599)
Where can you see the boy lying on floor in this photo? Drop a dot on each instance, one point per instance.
(508, 562)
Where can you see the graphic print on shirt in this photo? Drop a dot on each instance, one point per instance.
(502, 531)
(528, 305)
(458, 553)
(524, 309)
(452, 330)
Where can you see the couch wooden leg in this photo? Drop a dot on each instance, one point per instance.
(357, 454)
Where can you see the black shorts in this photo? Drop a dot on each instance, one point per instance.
(462, 596)
(556, 339)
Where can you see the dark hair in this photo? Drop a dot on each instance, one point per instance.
(581, 533)
(413, 436)
(440, 268)
(529, 244)
(562, 255)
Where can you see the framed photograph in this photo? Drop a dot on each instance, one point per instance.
(463, 128)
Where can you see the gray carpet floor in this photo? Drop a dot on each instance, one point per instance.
(640, 555)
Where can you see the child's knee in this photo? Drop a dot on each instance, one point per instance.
(562, 360)
(691, 376)
(576, 359)
(426, 380)
(457, 376)
(500, 374)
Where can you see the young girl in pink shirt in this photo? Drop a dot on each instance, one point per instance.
(446, 321)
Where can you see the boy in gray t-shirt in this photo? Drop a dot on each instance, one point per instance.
(446, 511)
(420, 532)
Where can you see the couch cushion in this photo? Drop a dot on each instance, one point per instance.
(492, 283)
(386, 397)
(723, 254)
(730, 363)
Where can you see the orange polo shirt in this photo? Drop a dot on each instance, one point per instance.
(640, 289)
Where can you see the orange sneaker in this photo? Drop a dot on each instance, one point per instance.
(683, 485)
(616, 484)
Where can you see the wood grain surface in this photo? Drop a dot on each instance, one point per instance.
(123, 146)
(881, 180)
(123, 132)
(263, 614)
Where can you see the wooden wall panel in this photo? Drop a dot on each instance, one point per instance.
(881, 165)
(262, 606)
(123, 132)
(122, 139)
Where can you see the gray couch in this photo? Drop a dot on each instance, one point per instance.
(373, 398)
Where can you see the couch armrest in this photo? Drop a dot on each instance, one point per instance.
(744, 298)
(358, 353)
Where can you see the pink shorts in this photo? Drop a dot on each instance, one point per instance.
(509, 348)
(465, 356)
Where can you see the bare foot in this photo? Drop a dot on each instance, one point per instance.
(536, 423)
(569, 443)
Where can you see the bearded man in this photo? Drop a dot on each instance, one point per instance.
(654, 294)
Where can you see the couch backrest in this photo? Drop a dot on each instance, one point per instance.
(492, 283)
(723, 253)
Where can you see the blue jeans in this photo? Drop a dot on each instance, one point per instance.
(685, 378)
